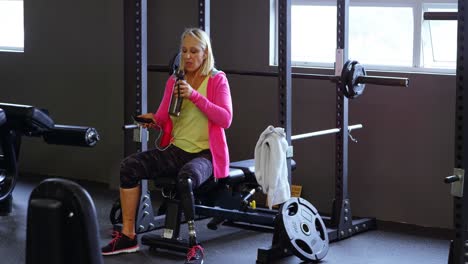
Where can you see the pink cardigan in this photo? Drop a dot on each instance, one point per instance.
(217, 106)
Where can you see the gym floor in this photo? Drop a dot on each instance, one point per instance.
(390, 244)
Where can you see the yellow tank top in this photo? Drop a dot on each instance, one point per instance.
(190, 130)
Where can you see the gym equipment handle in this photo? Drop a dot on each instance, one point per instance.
(72, 135)
(246, 199)
(132, 126)
(451, 179)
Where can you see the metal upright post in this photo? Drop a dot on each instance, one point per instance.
(284, 70)
(135, 81)
(341, 211)
(135, 72)
(278, 249)
(204, 15)
(459, 248)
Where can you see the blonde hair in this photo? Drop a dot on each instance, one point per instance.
(205, 44)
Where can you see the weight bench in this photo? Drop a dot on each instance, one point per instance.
(25, 120)
(223, 200)
(298, 228)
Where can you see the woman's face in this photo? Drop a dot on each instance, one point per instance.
(193, 54)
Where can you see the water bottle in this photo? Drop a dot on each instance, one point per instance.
(176, 102)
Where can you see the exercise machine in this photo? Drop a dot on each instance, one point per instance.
(62, 225)
(26, 120)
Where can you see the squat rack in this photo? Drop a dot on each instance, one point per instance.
(459, 246)
(136, 92)
(341, 223)
(136, 64)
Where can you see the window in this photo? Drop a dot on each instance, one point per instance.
(311, 44)
(11, 26)
(439, 45)
(383, 35)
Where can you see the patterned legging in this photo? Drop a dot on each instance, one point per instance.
(172, 162)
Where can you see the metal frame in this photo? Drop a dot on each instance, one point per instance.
(136, 67)
(204, 15)
(284, 70)
(341, 220)
(136, 93)
(341, 224)
(459, 247)
(341, 204)
(135, 71)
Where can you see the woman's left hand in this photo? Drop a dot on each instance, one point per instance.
(184, 88)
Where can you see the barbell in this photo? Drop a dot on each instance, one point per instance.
(352, 80)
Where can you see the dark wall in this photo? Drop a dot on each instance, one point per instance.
(73, 65)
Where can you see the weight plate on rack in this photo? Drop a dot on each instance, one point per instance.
(352, 70)
(305, 230)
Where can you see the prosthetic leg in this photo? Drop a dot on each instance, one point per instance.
(187, 200)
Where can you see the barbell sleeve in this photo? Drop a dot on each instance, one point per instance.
(383, 80)
(451, 179)
(440, 15)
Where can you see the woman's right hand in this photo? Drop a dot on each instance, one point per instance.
(147, 116)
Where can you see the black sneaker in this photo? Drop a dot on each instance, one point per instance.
(195, 255)
(120, 244)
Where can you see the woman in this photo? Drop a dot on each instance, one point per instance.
(196, 148)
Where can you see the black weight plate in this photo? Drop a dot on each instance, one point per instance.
(357, 71)
(305, 230)
(352, 70)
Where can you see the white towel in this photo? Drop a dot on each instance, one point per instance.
(271, 169)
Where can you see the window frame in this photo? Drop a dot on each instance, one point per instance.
(418, 6)
(15, 49)
(425, 26)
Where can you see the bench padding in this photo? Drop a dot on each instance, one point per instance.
(26, 118)
(239, 171)
(235, 176)
(248, 167)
